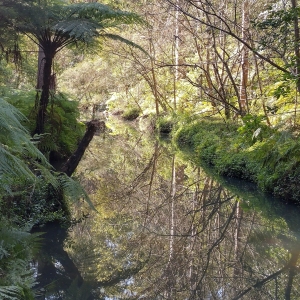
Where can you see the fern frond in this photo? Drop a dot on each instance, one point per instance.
(102, 13)
(84, 21)
(10, 292)
(11, 166)
(45, 142)
(17, 151)
(48, 177)
(30, 16)
(3, 251)
(73, 190)
(16, 249)
(20, 274)
(117, 37)
(80, 30)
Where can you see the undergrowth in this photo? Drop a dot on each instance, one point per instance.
(131, 113)
(250, 150)
(62, 129)
(31, 192)
(17, 246)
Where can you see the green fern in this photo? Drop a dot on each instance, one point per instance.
(73, 190)
(20, 274)
(16, 249)
(22, 163)
(10, 292)
(103, 16)
(116, 37)
(17, 151)
(3, 251)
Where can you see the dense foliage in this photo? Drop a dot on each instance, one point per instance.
(221, 77)
(40, 128)
(251, 151)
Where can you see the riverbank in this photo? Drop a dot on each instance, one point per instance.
(251, 151)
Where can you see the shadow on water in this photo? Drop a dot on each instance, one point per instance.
(167, 229)
(57, 276)
(270, 206)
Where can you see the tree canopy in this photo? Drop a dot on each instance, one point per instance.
(53, 25)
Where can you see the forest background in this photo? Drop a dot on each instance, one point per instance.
(222, 78)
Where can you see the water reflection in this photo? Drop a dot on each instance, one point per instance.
(166, 230)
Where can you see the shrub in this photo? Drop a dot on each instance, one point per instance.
(253, 129)
(165, 125)
(131, 113)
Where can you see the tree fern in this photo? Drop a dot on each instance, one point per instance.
(53, 25)
(61, 23)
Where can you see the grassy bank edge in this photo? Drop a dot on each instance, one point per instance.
(269, 157)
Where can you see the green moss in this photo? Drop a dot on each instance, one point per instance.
(268, 157)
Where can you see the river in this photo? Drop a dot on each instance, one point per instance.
(167, 229)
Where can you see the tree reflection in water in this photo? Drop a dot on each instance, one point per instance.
(56, 274)
(166, 230)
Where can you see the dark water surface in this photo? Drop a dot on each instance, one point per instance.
(166, 229)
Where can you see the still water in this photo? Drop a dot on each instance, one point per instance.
(168, 229)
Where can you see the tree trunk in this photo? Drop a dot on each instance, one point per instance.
(154, 86)
(72, 163)
(297, 50)
(176, 54)
(243, 101)
(41, 67)
(44, 99)
(296, 42)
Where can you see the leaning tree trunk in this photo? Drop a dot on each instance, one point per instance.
(72, 163)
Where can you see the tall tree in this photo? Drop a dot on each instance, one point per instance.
(271, 34)
(243, 101)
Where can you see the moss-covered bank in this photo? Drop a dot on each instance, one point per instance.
(250, 150)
